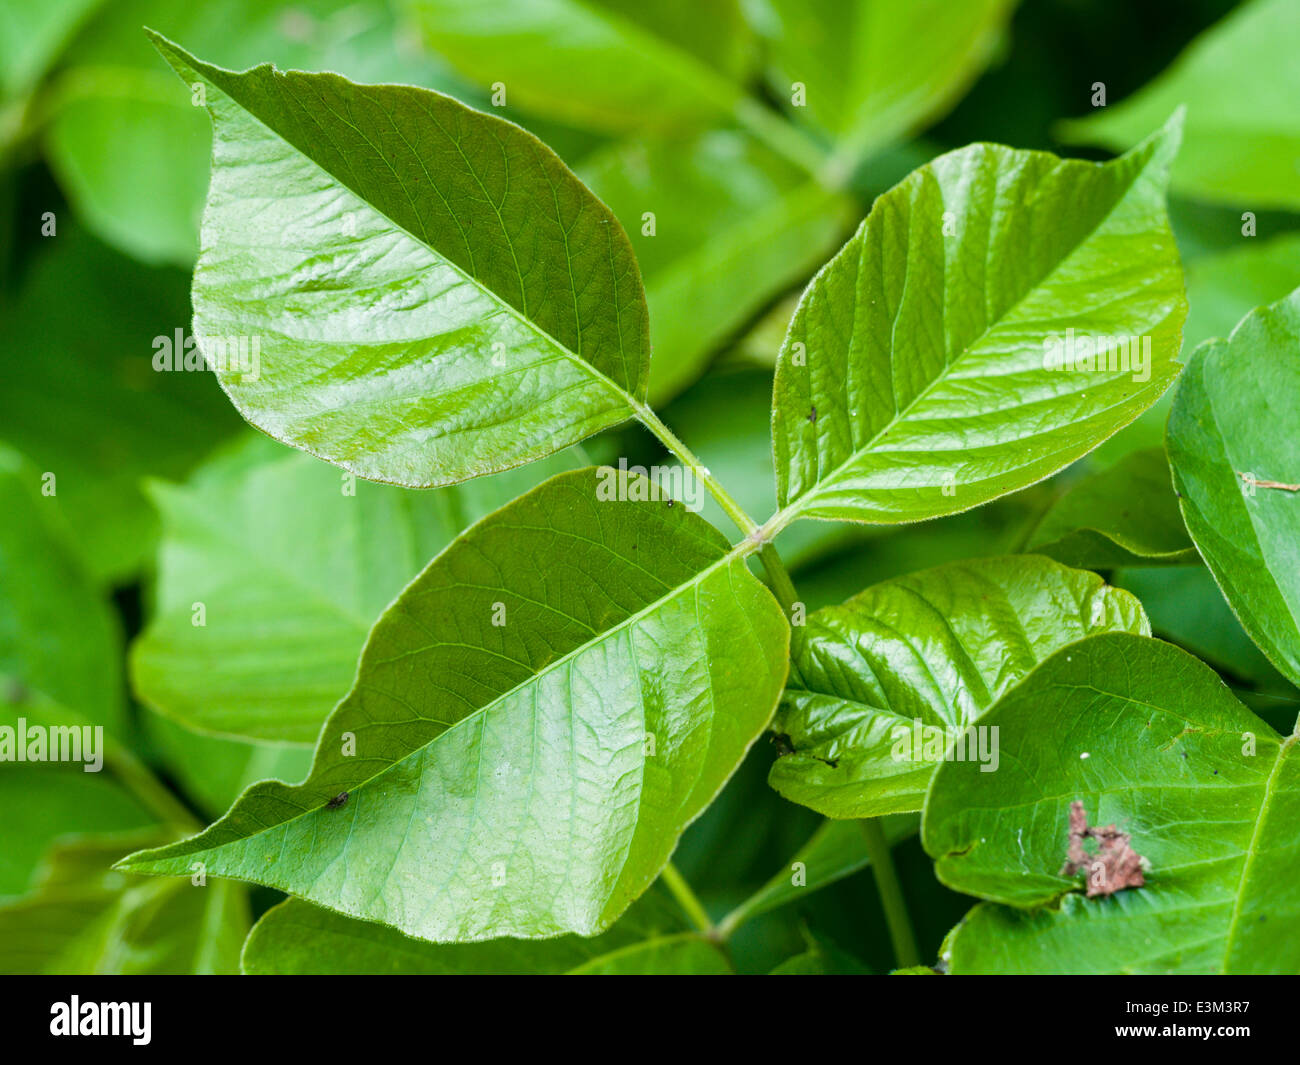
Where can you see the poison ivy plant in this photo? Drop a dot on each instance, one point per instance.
(1237, 472)
(132, 153)
(535, 673)
(883, 688)
(1150, 740)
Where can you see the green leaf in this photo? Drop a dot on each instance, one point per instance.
(57, 634)
(91, 409)
(1126, 515)
(835, 851)
(612, 65)
(1150, 740)
(291, 562)
(296, 938)
(733, 226)
(883, 687)
(877, 70)
(1238, 81)
(433, 294)
(528, 777)
(82, 917)
(1233, 461)
(915, 380)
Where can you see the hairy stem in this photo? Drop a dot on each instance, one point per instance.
(891, 893)
(779, 579)
(665, 436)
(687, 899)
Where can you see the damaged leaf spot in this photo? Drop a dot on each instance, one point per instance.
(1114, 865)
(1255, 482)
(783, 744)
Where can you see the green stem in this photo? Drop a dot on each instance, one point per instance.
(665, 436)
(687, 899)
(782, 137)
(891, 893)
(777, 575)
(779, 578)
(147, 788)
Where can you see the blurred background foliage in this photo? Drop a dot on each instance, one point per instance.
(103, 171)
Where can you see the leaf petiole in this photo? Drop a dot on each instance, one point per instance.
(687, 899)
(891, 894)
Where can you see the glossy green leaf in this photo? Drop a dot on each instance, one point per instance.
(883, 688)
(85, 918)
(296, 938)
(836, 850)
(91, 409)
(875, 70)
(917, 378)
(58, 636)
(1237, 469)
(291, 563)
(1238, 81)
(613, 65)
(1150, 740)
(531, 776)
(731, 225)
(433, 295)
(1124, 516)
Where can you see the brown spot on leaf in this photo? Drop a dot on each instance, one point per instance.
(812, 414)
(1255, 482)
(1114, 867)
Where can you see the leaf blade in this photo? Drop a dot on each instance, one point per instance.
(521, 749)
(491, 333)
(892, 404)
